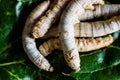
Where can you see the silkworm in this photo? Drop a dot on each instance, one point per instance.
(69, 17)
(83, 45)
(101, 11)
(90, 29)
(46, 21)
(29, 42)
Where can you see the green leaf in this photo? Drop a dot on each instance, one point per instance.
(7, 19)
(99, 65)
(16, 72)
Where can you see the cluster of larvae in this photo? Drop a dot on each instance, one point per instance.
(64, 22)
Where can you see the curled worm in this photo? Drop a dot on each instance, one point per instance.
(29, 42)
(46, 21)
(83, 45)
(69, 18)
